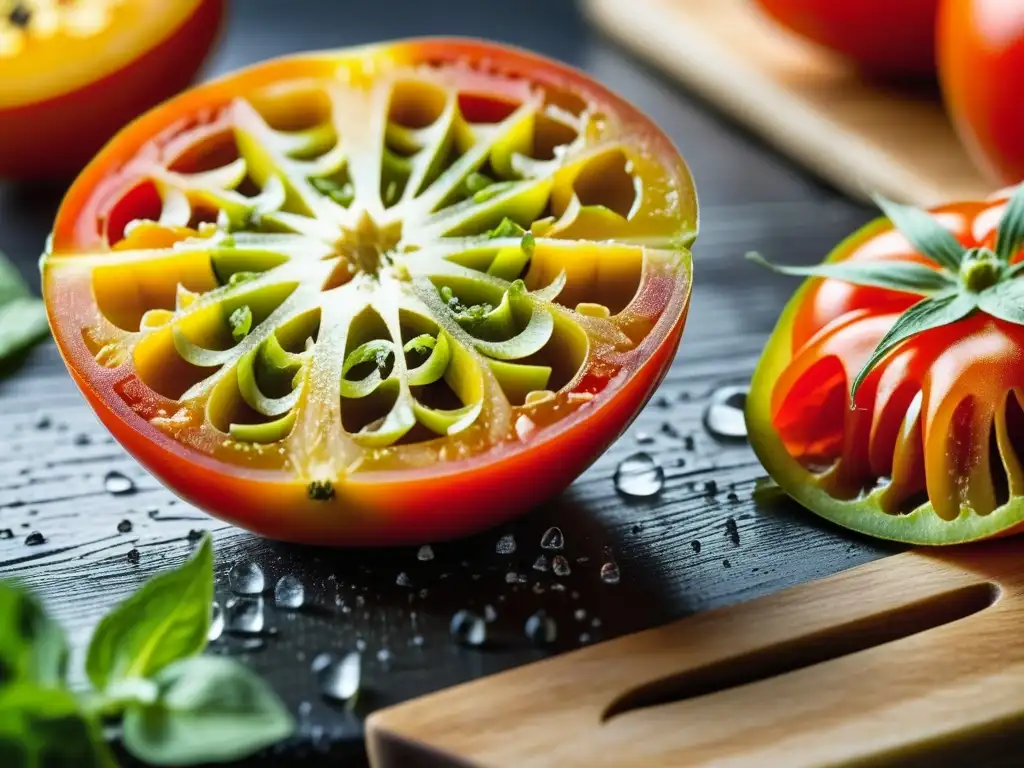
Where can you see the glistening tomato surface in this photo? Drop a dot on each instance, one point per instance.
(392, 294)
(73, 73)
(932, 452)
(981, 57)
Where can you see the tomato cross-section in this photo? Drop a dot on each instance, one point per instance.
(386, 295)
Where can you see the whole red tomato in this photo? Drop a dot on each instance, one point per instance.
(981, 58)
(884, 37)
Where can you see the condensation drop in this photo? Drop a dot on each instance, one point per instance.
(425, 553)
(506, 545)
(723, 417)
(511, 577)
(541, 629)
(560, 566)
(246, 578)
(289, 592)
(489, 613)
(118, 484)
(216, 622)
(340, 680)
(320, 662)
(610, 572)
(541, 564)
(552, 539)
(639, 476)
(244, 616)
(403, 580)
(468, 629)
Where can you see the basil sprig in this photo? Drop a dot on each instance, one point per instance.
(958, 282)
(178, 708)
(22, 315)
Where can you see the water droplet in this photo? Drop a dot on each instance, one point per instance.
(44, 421)
(552, 539)
(216, 622)
(726, 564)
(710, 488)
(732, 531)
(558, 587)
(560, 566)
(289, 592)
(579, 614)
(34, 539)
(582, 559)
(385, 657)
(723, 418)
(134, 556)
(584, 638)
(125, 526)
(490, 614)
(340, 680)
(506, 545)
(194, 536)
(81, 439)
(511, 577)
(468, 629)
(403, 580)
(246, 578)
(6, 533)
(696, 546)
(304, 709)
(595, 622)
(425, 553)
(417, 641)
(639, 476)
(541, 629)
(118, 484)
(689, 443)
(244, 616)
(541, 563)
(320, 662)
(254, 644)
(669, 430)
(610, 572)
(644, 438)
(538, 588)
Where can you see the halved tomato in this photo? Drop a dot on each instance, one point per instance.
(925, 329)
(384, 295)
(73, 73)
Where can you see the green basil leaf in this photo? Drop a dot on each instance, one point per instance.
(1010, 235)
(924, 232)
(33, 648)
(903, 276)
(44, 728)
(210, 709)
(12, 286)
(166, 620)
(22, 324)
(1004, 300)
(929, 313)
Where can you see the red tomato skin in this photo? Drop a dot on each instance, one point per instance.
(981, 62)
(51, 139)
(884, 37)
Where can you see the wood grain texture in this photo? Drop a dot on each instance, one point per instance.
(861, 136)
(894, 661)
(54, 454)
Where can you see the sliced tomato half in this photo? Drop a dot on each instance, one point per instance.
(931, 450)
(385, 295)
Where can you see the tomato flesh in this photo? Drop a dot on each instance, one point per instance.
(388, 295)
(931, 452)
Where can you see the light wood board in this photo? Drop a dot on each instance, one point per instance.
(917, 659)
(804, 101)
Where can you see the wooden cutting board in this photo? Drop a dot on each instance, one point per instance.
(807, 103)
(917, 659)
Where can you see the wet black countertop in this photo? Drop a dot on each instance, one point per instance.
(702, 542)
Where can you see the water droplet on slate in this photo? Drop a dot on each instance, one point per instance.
(726, 564)
(538, 588)
(44, 422)
(34, 539)
(552, 539)
(125, 526)
(194, 535)
(541, 629)
(254, 644)
(506, 545)
(610, 572)
(689, 443)
(81, 439)
(384, 656)
(560, 566)
(595, 622)
(305, 708)
(244, 616)
(489, 613)
(579, 614)
(639, 476)
(118, 484)
(467, 628)
(511, 577)
(417, 641)
(134, 556)
(558, 587)
(216, 622)
(644, 438)
(696, 546)
(732, 498)
(732, 531)
(541, 563)
(246, 578)
(425, 553)
(403, 580)
(340, 680)
(584, 638)
(710, 488)
(723, 418)
(289, 592)
(669, 430)
(320, 662)
(582, 559)
(6, 533)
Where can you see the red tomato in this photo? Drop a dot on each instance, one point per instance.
(388, 295)
(931, 450)
(884, 37)
(981, 61)
(73, 74)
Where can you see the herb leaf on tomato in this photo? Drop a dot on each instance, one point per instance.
(909, 278)
(1010, 235)
(924, 232)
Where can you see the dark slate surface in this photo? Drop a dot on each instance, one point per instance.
(678, 553)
